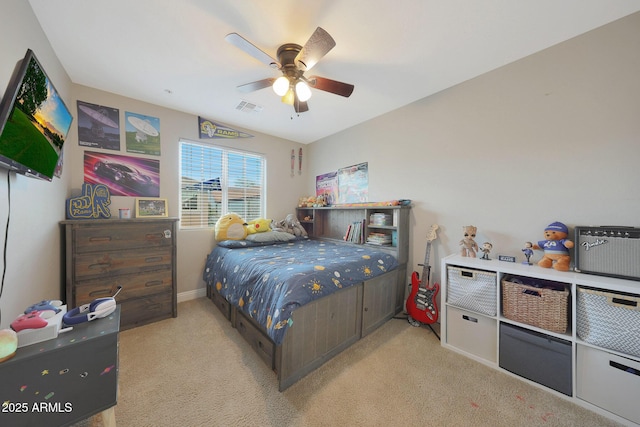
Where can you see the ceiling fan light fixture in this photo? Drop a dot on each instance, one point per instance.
(303, 91)
(289, 97)
(281, 85)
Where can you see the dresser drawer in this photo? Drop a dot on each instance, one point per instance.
(138, 254)
(104, 264)
(133, 286)
(140, 311)
(124, 236)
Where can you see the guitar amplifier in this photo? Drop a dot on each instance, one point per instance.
(608, 251)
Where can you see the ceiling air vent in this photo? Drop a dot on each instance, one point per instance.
(248, 107)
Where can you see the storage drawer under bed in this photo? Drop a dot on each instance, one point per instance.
(222, 304)
(260, 343)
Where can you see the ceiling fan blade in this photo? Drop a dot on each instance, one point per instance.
(257, 85)
(332, 86)
(318, 45)
(245, 45)
(300, 106)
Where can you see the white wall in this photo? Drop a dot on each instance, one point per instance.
(552, 137)
(33, 270)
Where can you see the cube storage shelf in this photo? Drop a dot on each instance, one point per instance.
(599, 376)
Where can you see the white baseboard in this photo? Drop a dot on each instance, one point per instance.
(189, 295)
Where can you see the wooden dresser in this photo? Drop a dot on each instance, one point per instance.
(137, 254)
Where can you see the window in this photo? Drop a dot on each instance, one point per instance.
(215, 181)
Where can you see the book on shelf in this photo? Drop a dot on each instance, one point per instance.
(381, 239)
(379, 218)
(348, 233)
(355, 232)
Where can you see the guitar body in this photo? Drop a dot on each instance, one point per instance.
(421, 304)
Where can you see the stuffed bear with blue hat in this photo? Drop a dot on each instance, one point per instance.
(556, 247)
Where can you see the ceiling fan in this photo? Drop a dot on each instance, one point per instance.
(293, 61)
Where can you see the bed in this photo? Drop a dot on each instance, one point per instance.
(301, 302)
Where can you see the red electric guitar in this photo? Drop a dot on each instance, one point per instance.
(421, 304)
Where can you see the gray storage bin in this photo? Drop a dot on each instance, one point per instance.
(537, 357)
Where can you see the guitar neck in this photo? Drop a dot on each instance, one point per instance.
(426, 267)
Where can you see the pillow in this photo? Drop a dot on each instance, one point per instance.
(271, 236)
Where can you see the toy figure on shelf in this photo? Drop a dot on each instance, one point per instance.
(486, 249)
(556, 247)
(527, 251)
(469, 246)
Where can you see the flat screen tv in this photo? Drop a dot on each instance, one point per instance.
(34, 122)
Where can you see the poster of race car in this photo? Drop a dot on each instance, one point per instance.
(124, 175)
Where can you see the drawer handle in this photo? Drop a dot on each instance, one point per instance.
(153, 259)
(100, 292)
(469, 318)
(624, 303)
(624, 368)
(152, 236)
(100, 239)
(532, 292)
(467, 273)
(99, 265)
(151, 283)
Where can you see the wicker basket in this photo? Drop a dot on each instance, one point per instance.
(543, 307)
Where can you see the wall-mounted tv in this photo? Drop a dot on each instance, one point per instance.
(34, 121)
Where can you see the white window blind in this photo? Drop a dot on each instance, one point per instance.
(215, 181)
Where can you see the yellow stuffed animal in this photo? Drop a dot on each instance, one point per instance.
(258, 225)
(230, 227)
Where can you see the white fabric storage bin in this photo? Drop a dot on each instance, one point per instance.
(472, 333)
(608, 381)
(474, 290)
(609, 319)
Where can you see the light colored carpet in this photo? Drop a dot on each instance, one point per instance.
(196, 370)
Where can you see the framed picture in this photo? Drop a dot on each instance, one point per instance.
(151, 207)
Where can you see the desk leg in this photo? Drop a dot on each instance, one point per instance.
(106, 418)
(109, 417)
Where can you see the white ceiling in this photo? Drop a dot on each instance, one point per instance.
(172, 53)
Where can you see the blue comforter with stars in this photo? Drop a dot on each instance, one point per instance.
(268, 282)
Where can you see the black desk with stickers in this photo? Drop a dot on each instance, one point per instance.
(63, 380)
